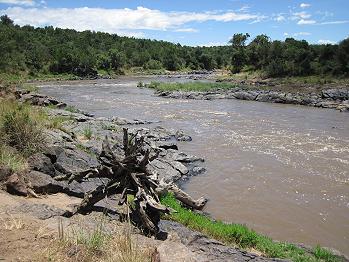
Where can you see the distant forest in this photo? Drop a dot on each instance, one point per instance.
(49, 50)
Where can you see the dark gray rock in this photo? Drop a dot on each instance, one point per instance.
(197, 170)
(336, 94)
(74, 161)
(245, 95)
(43, 183)
(181, 136)
(42, 163)
(164, 170)
(181, 157)
(80, 189)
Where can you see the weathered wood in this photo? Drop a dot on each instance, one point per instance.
(180, 195)
(128, 175)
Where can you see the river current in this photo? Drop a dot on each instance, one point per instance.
(283, 170)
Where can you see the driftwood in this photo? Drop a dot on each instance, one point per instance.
(129, 176)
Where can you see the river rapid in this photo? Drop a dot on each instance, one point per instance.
(283, 170)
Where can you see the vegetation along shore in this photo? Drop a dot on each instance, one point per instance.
(76, 187)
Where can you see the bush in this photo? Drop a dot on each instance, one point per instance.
(10, 159)
(21, 127)
(153, 64)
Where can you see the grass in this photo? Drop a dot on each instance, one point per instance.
(190, 86)
(83, 244)
(88, 133)
(243, 237)
(12, 160)
(71, 109)
(22, 132)
(21, 126)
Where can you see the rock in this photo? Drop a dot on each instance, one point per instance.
(80, 189)
(164, 171)
(181, 136)
(336, 94)
(57, 136)
(123, 121)
(42, 163)
(245, 95)
(178, 166)
(166, 145)
(73, 161)
(4, 173)
(181, 157)
(43, 183)
(16, 185)
(197, 170)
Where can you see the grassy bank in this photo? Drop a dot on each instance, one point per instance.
(243, 237)
(190, 86)
(22, 132)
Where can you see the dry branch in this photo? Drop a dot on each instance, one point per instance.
(128, 175)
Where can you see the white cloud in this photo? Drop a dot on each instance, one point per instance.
(280, 18)
(244, 8)
(306, 22)
(335, 22)
(213, 44)
(302, 15)
(114, 20)
(18, 2)
(325, 42)
(186, 30)
(301, 34)
(304, 5)
(286, 34)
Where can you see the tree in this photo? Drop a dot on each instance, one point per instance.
(5, 20)
(239, 57)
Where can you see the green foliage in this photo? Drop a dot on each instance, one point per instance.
(71, 109)
(242, 236)
(324, 254)
(190, 86)
(153, 64)
(53, 51)
(88, 133)
(11, 159)
(21, 127)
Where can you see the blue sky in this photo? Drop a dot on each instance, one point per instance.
(191, 22)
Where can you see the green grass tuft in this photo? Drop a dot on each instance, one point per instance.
(241, 236)
(88, 133)
(21, 127)
(190, 86)
(12, 160)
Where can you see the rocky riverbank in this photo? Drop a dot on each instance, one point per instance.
(71, 148)
(328, 98)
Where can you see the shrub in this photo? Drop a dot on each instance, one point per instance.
(21, 127)
(9, 158)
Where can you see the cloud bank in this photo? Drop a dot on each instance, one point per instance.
(18, 2)
(116, 20)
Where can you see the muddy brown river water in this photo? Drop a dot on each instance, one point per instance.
(283, 170)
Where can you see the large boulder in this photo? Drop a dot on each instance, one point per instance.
(42, 163)
(72, 161)
(43, 183)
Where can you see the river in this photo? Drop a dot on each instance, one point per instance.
(283, 170)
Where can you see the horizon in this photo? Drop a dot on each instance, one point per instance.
(317, 22)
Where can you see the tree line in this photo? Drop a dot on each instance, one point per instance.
(49, 50)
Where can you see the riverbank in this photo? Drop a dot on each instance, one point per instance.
(78, 139)
(335, 98)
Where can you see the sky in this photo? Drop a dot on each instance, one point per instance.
(190, 22)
